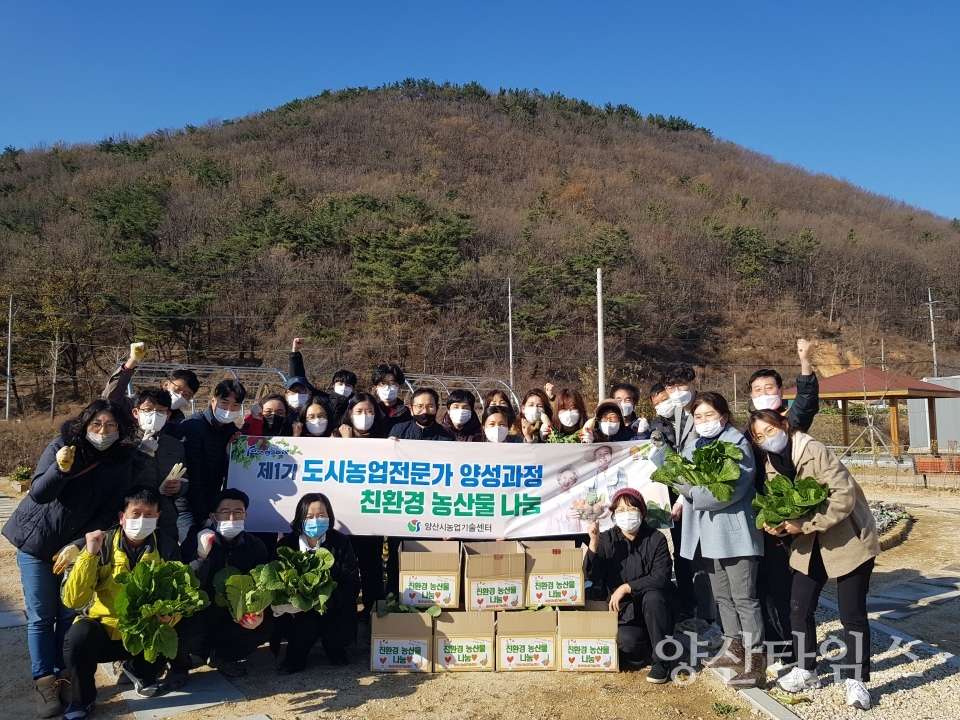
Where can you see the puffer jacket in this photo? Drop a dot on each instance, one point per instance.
(470, 432)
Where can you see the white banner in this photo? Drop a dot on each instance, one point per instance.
(411, 488)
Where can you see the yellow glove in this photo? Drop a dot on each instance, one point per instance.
(138, 351)
(62, 560)
(65, 457)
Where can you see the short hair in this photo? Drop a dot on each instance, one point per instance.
(765, 373)
(226, 388)
(426, 391)
(187, 376)
(632, 389)
(303, 505)
(492, 410)
(715, 400)
(141, 494)
(385, 369)
(656, 389)
(231, 494)
(461, 396)
(566, 469)
(346, 377)
(156, 395)
(677, 374)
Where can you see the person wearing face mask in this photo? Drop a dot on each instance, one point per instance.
(766, 391)
(569, 419)
(630, 566)
(496, 423)
(362, 418)
(299, 389)
(312, 528)
(212, 633)
(536, 412)
(628, 397)
(725, 535)
(181, 385)
(206, 436)
(680, 383)
(461, 420)
(423, 425)
(270, 417)
(91, 583)
(386, 381)
(837, 539)
(78, 486)
(344, 386)
(609, 424)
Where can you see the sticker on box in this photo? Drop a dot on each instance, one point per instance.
(555, 589)
(420, 590)
(465, 653)
(526, 653)
(588, 655)
(496, 594)
(390, 654)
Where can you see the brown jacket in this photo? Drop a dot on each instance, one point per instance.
(843, 525)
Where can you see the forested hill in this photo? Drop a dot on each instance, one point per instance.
(384, 223)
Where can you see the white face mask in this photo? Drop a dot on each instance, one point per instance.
(229, 528)
(609, 428)
(569, 418)
(460, 417)
(151, 421)
(102, 442)
(532, 413)
(318, 426)
(343, 390)
(177, 400)
(496, 434)
(709, 428)
(775, 444)
(628, 521)
(681, 398)
(666, 409)
(387, 393)
(626, 408)
(362, 422)
(767, 402)
(225, 416)
(139, 528)
(297, 400)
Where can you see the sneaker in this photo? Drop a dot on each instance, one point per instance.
(48, 696)
(857, 695)
(659, 673)
(780, 668)
(78, 711)
(798, 680)
(144, 687)
(712, 637)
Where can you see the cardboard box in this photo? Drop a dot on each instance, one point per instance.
(494, 575)
(588, 639)
(527, 640)
(401, 642)
(464, 641)
(430, 573)
(554, 573)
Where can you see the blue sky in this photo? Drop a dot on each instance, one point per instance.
(865, 91)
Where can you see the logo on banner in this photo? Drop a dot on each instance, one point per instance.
(413, 526)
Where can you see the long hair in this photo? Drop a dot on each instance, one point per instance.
(303, 505)
(570, 399)
(378, 429)
(768, 416)
(325, 404)
(544, 400)
(74, 432)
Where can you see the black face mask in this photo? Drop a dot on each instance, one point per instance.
(424, 419)
(273, 422)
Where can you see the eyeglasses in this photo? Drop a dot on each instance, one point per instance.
(96, 426)
(231, 514)
(180, 390)
(271, 413)
(424, 408)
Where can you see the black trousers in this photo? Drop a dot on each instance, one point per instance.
(653, 620)
(369, 552)
(214, 631)
(683, 574)
(86, 644)
(852, 599)
(335, 629)
(774, 590)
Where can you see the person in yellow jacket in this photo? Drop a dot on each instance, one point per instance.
(91, 586)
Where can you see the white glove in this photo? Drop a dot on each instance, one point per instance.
(62, 560)
(640, 425)
(279, 610)
(148, 445)
(205, 540)
(138, 351)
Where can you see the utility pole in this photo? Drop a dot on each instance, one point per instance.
(9, 356)
(883, 357)
(601, 379)
(933, 331)
(510, 326)
(55, 357)
(734, 392)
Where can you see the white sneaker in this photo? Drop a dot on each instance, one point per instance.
(798, 680)
(779, 668)
(857, 695)
(713, 637)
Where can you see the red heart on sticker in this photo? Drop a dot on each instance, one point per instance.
(539, 595)
(506, 597)
(563, 592)
(409, 658)
(382, 660)
(479, 601)
(598, 657)
(571, 659)
(536, 656)
(437, 594)
(509, 658)
(412, 595)
(448, 658)
(473, 656)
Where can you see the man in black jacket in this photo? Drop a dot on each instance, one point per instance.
(423, 425)
(181, 385)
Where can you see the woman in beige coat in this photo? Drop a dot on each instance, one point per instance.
(836, 540)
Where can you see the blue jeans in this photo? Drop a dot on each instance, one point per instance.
(47, 619)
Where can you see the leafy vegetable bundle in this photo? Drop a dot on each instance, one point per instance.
(151, 589)
(714, 466)
(298, 578)
(393, 605)
(242, 594)
(787, 500)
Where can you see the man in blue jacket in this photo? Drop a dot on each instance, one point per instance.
(424, 425)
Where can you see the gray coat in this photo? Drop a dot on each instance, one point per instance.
(723, 529)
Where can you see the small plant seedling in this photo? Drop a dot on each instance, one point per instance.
(723, 709)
